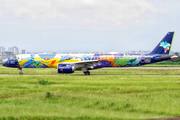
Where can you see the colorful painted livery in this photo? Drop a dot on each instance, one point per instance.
(69, 63)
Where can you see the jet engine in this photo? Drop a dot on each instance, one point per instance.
(65, 68)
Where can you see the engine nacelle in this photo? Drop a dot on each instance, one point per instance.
(65, 68)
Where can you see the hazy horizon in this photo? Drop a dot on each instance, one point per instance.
(83, 25)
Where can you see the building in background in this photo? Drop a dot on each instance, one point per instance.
(2, 49)
(15, 50)
(23, 51)
(10, 49)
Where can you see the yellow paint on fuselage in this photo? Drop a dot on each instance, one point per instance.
(58, 62)
(52, 63)
(22, 62)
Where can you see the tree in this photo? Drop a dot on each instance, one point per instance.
(8, 53)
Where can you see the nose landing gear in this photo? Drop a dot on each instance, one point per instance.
(21, 73)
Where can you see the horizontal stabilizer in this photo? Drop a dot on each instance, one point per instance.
(168, 57)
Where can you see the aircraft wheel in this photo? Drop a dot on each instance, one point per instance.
(87, 73)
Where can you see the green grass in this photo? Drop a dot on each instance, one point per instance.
(167, 63)
(52, 71)
(75, 96)
(163, 64)
(89, 97)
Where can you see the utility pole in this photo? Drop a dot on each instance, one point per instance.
(2, 55)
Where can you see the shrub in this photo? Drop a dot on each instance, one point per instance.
(44, 82)
(48, 95)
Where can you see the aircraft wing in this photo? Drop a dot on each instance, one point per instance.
(168, 56)
(87, 64)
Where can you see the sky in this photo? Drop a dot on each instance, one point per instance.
(88, 25)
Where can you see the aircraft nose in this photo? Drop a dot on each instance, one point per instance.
(5, 64)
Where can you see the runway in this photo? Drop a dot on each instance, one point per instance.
(141, 68)
(92, 75)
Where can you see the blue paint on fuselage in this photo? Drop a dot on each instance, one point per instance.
(29, 62)
(86, 58)
(139, 59)
(152, 58)
(11, 63)
(67, 57)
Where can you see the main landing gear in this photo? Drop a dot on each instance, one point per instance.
(84, 69)
(21, 73)
(87, 73)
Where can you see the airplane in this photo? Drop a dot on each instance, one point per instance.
(69, 63)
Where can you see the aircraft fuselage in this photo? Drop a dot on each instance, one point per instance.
(105, 60)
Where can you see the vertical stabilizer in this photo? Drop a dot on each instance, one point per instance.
(164, 47)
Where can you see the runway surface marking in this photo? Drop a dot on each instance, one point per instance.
(89, 75)
(141, 68)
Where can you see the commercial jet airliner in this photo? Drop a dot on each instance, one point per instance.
(69, 63)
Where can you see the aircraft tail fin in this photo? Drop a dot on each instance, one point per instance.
(165, 45)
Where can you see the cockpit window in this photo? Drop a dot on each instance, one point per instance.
(12, 62)
(6, 63)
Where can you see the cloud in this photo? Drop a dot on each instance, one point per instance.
(79, 13)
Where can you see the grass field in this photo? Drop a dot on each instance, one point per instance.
(44, 94)
(52, 71)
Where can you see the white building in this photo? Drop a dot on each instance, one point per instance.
(15, 50)
(2, 49)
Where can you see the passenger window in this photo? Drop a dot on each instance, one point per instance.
(62, 65)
